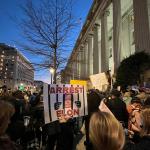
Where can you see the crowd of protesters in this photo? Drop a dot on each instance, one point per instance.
(118, 120)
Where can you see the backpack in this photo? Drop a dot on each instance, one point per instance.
(134, 123)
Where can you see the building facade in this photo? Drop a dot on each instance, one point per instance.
(15, 70)
(113, 30)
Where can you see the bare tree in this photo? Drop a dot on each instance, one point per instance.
(47, 25)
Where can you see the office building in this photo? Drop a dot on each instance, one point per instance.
(16, 71)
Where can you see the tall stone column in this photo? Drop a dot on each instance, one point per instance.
(104, 44)
(141, 25)
(116, 32)
(76, 67)
(73, 70)
(86, 59)
(96, 50)
(79, 64)
(82, 51)
(90, 54)
(69, 74)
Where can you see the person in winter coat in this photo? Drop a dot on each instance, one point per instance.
(143, 141)
(118, 108)
(6, 111)
(16, 128)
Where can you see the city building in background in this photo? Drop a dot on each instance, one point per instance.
(16, 71)
(113, 30)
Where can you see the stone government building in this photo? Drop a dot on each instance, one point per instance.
(15, 69)
(113, 30)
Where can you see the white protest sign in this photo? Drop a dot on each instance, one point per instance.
(99, 81)
(64, 100)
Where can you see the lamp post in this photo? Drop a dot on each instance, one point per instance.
(52, 73)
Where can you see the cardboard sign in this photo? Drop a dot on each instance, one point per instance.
(99, 81)
(64, 100)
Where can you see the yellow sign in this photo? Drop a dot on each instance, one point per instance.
(79, 82)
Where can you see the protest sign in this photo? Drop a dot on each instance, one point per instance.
(86, 83)
(99, 81)
(64, 100)
(78, 82)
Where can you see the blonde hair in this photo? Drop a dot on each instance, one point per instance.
(145, 117)
(106, 133)
(6, 111)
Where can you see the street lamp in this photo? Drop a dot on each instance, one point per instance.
(52, 73)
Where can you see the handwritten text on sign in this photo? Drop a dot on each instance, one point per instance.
(64, 100)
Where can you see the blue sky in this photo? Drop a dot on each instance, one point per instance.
(9, 30)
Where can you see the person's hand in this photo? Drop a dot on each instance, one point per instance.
(63, 119)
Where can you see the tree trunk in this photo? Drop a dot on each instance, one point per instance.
(55, 67)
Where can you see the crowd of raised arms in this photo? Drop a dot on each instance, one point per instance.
(116, 120)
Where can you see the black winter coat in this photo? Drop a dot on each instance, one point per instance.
(143, 144)
(118, 108)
